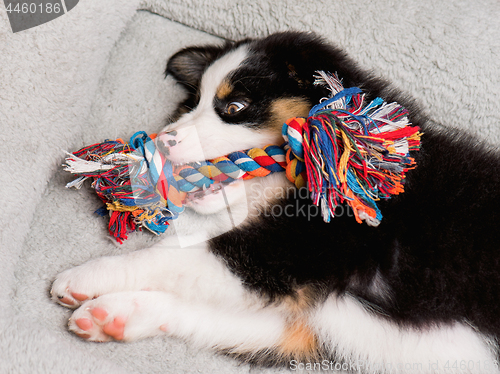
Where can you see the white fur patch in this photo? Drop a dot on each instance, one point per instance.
(372, 344)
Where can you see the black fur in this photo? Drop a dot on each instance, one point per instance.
(438, 246)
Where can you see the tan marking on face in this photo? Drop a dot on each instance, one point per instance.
(286, 108)
(298, 341)
(224, 90)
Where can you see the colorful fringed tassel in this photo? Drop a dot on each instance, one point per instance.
(349, 151)
(121, 178)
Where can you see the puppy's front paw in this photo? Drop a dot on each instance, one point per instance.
(95, 323)
(95, 278)
(72, 287)
(123, 316)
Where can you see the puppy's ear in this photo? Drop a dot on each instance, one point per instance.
(292, 73)
(188, 65)
(301, 55)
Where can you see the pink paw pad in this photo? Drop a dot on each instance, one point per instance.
(84, 324)
(79, 296)
(99, 314)
(115, 329)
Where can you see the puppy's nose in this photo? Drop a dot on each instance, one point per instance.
(165, 140)
(162, 147)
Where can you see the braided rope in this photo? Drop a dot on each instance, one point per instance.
(170, 179)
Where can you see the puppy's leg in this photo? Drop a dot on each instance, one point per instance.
(191, 272)
(133, 315)
(265, 332)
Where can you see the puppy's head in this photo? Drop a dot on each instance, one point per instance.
(241, 93)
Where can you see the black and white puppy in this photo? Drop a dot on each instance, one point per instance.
(418, 293)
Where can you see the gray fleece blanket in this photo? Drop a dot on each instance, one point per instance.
(97, 72)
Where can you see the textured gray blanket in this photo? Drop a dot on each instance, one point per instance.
(97, 73)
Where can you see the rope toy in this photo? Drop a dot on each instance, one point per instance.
(348, 151)
(345, 151)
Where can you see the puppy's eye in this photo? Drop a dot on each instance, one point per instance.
(234, 107)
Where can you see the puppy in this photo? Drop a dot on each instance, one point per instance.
(418, 293)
